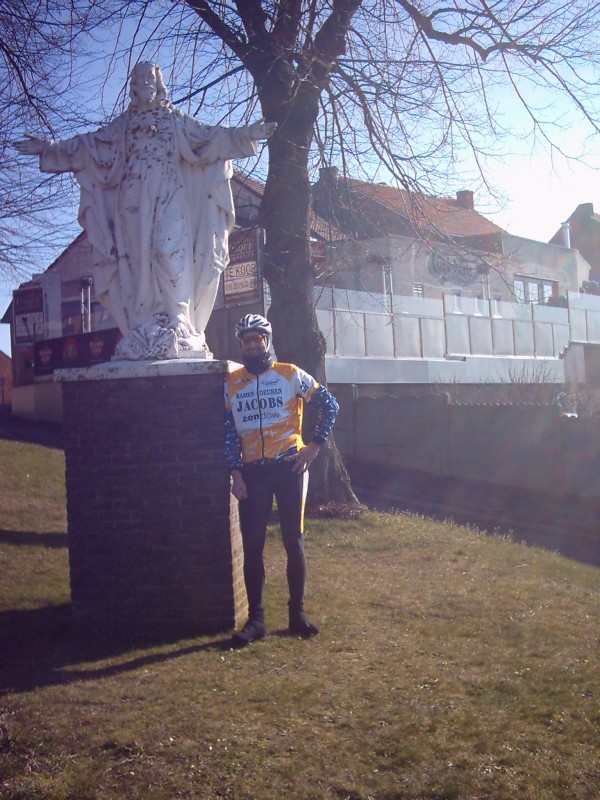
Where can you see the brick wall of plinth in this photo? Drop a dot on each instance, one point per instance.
(154, 542)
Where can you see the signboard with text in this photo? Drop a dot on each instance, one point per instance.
(241, 279)
(28, 309)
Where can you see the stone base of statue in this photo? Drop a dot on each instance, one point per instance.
(162, 338)
(154, 544)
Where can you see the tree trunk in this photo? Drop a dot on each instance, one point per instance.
(288, 271)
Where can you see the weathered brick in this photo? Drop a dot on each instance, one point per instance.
(154, 536)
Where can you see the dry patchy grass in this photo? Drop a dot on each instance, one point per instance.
(450, 665)
(32, 488)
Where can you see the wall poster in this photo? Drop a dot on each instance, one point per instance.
(241, 279)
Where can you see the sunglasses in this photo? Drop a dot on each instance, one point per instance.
(253, 338)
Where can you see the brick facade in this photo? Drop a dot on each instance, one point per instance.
(6, 379)
(154, 542)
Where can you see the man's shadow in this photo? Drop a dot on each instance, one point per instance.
(47, 434)
(41, 647)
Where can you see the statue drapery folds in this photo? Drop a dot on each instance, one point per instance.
(157, 208)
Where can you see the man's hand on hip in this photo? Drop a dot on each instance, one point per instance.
(304, 457)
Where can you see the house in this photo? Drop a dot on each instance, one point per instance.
(408, 244)
(6, 379)
(582, 232)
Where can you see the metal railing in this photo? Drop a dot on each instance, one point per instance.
(356, 324)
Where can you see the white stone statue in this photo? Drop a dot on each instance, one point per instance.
(157, 208)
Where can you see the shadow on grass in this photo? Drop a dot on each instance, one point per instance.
(47, 434)
(566, 524)
(43, 646)
(50, 540)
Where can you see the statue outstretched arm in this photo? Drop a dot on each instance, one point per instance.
(31, 146)
(261, 129)
(64, 155)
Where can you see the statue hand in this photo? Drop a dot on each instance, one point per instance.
(261, 129)
(31, 146)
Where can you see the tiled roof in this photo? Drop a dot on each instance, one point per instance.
(578, 222)
(325, 230)
(441, 214)
(584, 236)
(318, 226)
(81, 237)
(251, 183)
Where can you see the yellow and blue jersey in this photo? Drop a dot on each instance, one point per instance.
(263, 413)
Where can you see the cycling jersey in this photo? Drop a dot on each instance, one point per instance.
(264, 413)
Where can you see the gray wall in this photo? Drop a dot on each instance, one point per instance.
(530, 447)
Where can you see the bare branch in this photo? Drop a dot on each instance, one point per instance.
(219, 27)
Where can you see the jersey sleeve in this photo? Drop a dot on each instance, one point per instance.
(233, 444)
(304, 384)
(327, 409)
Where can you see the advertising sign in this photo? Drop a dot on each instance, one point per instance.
(82, 350)
(28, 309)
(241, 279)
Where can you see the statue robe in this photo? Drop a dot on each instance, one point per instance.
(157, 207)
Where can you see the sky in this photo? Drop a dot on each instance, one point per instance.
(543, 196)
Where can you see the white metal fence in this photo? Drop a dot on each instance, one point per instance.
(361, 324)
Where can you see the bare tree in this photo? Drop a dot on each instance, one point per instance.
(39, 84)
(358, 78)
(408, 86)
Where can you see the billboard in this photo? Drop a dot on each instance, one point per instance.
(28, 310)
(82, 350)
(241, 279)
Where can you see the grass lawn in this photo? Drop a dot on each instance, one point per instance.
(450, 665)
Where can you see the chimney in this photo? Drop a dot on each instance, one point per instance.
(464, 199)
(565, 229)
(328, 175)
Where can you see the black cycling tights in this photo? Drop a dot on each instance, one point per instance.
(289, 488)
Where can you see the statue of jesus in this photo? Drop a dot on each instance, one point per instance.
(157, 208)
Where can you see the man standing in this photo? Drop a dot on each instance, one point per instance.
(264, 450)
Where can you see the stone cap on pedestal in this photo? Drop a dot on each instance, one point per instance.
(112, 370)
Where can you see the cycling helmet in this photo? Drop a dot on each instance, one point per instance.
(253, 323)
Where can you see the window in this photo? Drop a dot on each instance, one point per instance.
(418, 290)
(480, 305)
(534, 290)
(520, 295)
(71, 317)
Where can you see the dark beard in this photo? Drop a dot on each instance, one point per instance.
(257, 364)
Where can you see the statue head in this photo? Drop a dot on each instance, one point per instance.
(146, 85)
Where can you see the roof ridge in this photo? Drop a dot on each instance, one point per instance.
(437, 212)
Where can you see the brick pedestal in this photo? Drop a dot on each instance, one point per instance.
(154, 542)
